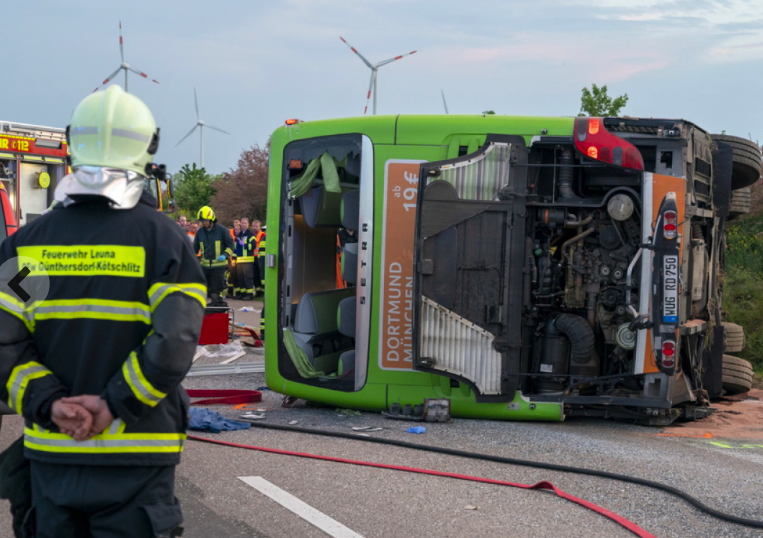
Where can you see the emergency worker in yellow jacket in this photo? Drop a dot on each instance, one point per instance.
(215, 244)
(95, 368)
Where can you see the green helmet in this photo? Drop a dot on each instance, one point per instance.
(113, 129)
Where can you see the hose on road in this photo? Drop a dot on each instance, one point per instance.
(512, 461)
(629, 525)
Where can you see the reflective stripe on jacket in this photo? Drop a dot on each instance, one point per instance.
(120, 320)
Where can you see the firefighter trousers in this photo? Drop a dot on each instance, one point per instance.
(215, 279)
(245, 273)
(73, 501)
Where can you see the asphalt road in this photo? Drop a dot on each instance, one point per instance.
(373, 502)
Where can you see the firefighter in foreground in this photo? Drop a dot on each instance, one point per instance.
(96, 369)
(214, 242)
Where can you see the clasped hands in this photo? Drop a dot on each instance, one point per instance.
(81, 417)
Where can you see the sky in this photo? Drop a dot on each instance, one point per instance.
(255, 64)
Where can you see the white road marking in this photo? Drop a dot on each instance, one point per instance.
(302, 509)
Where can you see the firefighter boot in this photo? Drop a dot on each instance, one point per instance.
(217, 301)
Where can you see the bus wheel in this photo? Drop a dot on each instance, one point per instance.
(746, 168)
(740, 202)
(737, 375)
(733, 337)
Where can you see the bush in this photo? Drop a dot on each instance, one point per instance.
(743, 303)
(743, 287)
(744, 244)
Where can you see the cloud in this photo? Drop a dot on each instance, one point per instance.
(712, 12)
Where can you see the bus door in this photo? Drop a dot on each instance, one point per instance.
(469, 259)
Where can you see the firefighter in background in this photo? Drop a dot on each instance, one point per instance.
(233, 285)
(246, 261)
(259, 252)
(96, 368)
(216, 247)
(259, 237)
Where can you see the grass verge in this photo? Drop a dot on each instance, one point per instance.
(743, 288)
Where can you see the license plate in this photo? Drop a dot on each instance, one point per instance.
(670, 289)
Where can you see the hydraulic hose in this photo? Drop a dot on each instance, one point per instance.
(512, 461)
(627, 524)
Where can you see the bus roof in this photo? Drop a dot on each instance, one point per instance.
(426, 129)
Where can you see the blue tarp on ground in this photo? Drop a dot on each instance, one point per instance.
(212, 421)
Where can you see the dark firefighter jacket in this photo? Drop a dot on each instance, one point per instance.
(249, 247)
(121, 319)
(213, 243)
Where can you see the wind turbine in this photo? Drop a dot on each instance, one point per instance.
(374, 69)
(200, 124)
(124, 65)
(443, 102)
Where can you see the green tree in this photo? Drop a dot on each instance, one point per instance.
(193, 189)
(488, 112)
(595, 102)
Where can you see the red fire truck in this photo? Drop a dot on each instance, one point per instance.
(32, 161)
(7, 218)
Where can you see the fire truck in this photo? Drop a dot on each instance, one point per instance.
(32, 161)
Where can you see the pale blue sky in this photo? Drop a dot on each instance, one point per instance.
(255, 63)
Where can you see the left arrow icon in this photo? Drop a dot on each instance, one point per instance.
(24, 284)
(15, 284)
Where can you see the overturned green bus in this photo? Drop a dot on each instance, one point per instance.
(521, 268)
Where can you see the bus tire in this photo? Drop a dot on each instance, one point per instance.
(733, 337)
(747, 158)
(737, 376)
(740, 202)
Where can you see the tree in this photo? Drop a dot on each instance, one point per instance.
(488, 112)
(243, 191)
(193, 188)
(597, 103)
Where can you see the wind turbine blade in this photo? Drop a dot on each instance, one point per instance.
(196, 102)
(189, 134)
(370, 88)
(121, 43)
(385, 62)
(141, 73)
(108, 79)
(215, 128)
(353, 49)
(443, 102)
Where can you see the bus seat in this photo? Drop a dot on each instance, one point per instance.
(351, 209)
(321, 208)
(316, 311)
(352, 165)
(346, 322)
(350, 263)
(345, 317)
(350, 221)
(316, 329)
